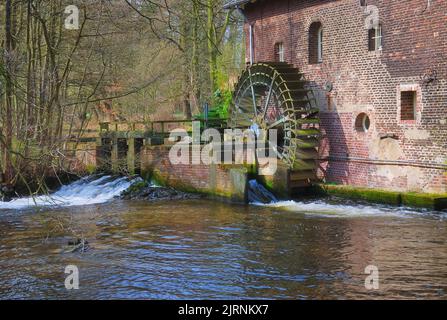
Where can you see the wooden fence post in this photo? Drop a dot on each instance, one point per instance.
(131, 155)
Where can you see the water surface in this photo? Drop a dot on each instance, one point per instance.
(202, 249)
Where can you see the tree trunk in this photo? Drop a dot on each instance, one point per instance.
(212, 55)
(184, 42)
(9, 94)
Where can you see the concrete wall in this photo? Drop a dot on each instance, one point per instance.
(363, 81)
(229, 182)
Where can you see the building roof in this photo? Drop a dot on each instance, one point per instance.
(236, 3)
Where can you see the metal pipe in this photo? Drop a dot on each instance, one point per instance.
(387, 162)
(251, 46)
(427, 6)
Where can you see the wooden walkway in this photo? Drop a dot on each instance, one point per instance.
(119, 144)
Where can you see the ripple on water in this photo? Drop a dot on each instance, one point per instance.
(209, 250)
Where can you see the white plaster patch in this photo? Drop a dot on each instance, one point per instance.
(415, 176)
(385, 149)
(415, 179)
(417, 134)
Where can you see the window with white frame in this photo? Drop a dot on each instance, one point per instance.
(320, 44)
(375, 38)
(279, 52)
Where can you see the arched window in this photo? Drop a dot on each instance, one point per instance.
(375, 38)
(316, 43)
(320, 44)
(279, 52)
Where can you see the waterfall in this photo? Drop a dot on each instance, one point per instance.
(258, 194)
(86, 191)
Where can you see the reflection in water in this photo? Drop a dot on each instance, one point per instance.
(203, 249)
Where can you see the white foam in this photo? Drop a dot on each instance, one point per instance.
(325, 209)
(86, 191)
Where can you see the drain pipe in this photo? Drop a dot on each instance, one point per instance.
(250, 31)
(251, 44)
(427, 165)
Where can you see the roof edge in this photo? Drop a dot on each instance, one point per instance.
(236, 3)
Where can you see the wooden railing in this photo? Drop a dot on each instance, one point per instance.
(159, 127)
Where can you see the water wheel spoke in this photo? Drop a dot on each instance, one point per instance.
(243, 109)
(269, 96)
(277, 123)
(253, 95)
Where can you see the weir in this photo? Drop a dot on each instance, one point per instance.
(147, 153)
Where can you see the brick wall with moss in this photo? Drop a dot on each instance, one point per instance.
(228, 182)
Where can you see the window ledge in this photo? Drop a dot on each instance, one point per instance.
(409, 122)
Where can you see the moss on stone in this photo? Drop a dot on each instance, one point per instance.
(425, 200)
(317, 190)
(417, 200)
(212, 192)
(90, 168)
(137, 187)
(370, 195)
(164, 181)
(269, 184)
(247, 168)
(278, 184)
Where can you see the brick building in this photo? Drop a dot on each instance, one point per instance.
(379, 71)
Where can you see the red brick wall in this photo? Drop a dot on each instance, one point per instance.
(414, 49)
(209, 179)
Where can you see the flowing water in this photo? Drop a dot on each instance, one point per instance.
(203, 249)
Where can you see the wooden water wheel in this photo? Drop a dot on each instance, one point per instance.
(275, 95)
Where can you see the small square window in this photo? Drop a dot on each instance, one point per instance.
(408, 105)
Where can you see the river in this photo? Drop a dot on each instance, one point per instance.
(204, 249)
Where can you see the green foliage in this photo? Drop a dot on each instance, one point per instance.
(222, 102)
(90, 168)
(220, 106)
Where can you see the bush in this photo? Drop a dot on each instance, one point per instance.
(220, 106)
